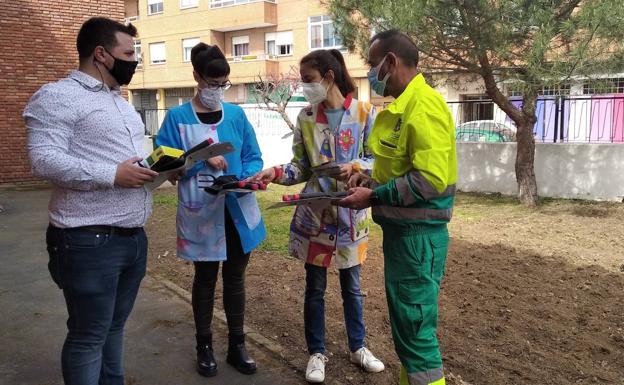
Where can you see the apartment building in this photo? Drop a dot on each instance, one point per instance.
(264, 37)
(258, 37)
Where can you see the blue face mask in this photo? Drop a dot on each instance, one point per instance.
(379, 86)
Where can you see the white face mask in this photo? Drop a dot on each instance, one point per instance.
(211, 98)
(314, 93)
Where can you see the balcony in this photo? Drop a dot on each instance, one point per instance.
(236, 15)
(130, 19)
(245, 69)
(131, 11)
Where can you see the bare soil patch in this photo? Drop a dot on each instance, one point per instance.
(530, 296)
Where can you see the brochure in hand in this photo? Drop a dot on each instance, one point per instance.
(228, 183)
(319, 198)
(331, 170)
(167, 164)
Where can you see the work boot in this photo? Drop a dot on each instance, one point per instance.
(238, 357)
(206, 363)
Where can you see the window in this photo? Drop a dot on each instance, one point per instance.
(279, 43)
(270, 47)
(137, 52)
(157, 53)
(515, 92)
(187, 46)
(477, 107)
(154, 7)
(323, 34)
(240, 45)
(604, 86)
(547, 90)
(188, 4)
(284, 50)
(556, 89)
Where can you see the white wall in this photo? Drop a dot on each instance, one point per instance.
(582, 171)
(270, 130)
(148, 145)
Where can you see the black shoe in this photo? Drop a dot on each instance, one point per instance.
(238, 357)
(206, 363)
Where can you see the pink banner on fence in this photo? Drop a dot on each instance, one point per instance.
(618, 119)
(601, 118)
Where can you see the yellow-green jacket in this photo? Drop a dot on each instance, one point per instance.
(413, 142)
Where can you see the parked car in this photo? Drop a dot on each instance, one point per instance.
(485, 131)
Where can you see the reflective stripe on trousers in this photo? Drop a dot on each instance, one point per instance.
(430, 377)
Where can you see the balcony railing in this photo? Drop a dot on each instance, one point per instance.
(129, 19)
(247, 58)
(230, 3)
(252, 14)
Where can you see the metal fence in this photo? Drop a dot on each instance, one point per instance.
(560, 119)
(573, 119)
(152, 119)
(266, 123)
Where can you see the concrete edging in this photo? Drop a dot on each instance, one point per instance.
(253, 335)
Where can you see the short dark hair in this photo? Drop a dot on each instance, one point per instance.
(208, 61)
(100, 31)
(324, 60)
(398, 43)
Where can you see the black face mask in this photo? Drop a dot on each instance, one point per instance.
(122, 70)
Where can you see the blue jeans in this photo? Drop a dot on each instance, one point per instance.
(100, 274)
(314, 307)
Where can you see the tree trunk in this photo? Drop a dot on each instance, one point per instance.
(282, 111)
(525, 160)
(524, 120)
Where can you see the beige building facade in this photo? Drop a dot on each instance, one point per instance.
(259, 38)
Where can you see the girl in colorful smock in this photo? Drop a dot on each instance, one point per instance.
(216, 228)
(333, 129)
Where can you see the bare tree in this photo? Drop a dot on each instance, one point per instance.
(274, 92)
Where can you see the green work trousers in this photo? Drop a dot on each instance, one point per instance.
(414, 258)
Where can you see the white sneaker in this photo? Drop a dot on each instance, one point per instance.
(315, 372)
(367, 360)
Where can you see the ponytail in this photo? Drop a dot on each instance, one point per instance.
(325, 60)
(345, 82)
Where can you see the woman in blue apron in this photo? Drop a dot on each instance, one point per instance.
(215, 228)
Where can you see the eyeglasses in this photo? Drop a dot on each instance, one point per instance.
(214, 85)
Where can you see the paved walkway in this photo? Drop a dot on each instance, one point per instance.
(160, 342)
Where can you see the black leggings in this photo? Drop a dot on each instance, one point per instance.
(233, 274)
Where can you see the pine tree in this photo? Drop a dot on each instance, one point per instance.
(530, 43)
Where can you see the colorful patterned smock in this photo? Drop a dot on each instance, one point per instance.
(318, 234)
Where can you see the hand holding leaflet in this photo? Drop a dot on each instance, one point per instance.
(318, 198)
(228, 183)
(203, 151)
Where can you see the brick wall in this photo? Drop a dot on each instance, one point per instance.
(38, 42)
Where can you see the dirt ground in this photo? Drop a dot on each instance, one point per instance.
(529, 297)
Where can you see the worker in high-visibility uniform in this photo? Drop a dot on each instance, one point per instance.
(411, 191)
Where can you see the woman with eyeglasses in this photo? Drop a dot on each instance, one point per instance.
(215, 228)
